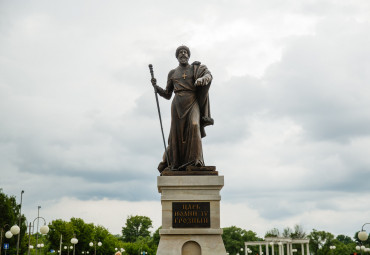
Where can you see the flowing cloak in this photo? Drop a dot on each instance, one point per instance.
(189, 105)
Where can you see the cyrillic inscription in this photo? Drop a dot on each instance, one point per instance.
(191, 215)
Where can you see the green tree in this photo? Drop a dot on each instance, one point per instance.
(9, 216)
(298, 232)
(136, 226)
(131, 248)
(320, 242)
(235, 237)
(273, 233)
(344, 239)
(287, 232)
(59, 229)
(85, 233)
(342, 248)
(108, 240)
(156, 236)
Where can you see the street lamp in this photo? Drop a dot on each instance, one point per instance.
(94, 244)
(74, 241)
(43, 230)
(68, 248)
(362, 235)
(14, 230)
(19, 221)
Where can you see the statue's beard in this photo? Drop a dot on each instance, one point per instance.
(183, 60)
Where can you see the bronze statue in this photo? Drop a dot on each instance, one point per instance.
(190, 112)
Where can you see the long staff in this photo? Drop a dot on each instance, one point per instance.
(159, 114)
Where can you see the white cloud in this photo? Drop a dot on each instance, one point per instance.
(290, 99)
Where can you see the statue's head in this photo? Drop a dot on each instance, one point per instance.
(183, 54)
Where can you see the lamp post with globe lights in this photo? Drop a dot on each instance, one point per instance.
(19, 221)
(362, 248)
(362, 235)
(68, 248)
(74, 241)
(121, 250)
(94, 244)
(43, 230)
(332, 247)
(40, 246)
(30, 247)
(14, 230)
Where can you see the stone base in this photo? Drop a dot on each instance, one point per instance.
(187, 239)
(177, 245)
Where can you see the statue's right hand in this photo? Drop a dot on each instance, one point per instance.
(154, 81)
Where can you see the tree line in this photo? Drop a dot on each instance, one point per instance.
(136, 236)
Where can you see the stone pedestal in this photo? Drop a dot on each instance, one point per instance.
(190, 215)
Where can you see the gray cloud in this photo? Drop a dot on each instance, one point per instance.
(321, 81)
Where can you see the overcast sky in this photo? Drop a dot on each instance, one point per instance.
(79, 129)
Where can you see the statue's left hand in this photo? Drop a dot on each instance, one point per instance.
(199, 82)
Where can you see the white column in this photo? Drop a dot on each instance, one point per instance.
(308, 249)
(272, 250)
(267, 249)
(302, 248)
(260, 250)
(291, 248)
(246, 249)
(287, 249)
(282, 248)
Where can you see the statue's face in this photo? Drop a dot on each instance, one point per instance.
(183, 57)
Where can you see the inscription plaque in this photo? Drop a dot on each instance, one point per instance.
(191, 215)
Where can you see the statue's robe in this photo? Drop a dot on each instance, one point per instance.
(189, 105)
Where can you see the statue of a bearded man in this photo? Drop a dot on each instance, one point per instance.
(190, 112)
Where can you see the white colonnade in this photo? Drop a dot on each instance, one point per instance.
(283, 244)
